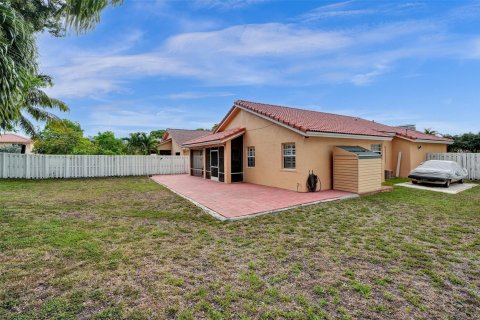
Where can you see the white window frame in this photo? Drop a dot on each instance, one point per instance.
(377, 147)
(291, 149)
(251, 155)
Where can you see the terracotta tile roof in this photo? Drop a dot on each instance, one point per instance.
(13, 138)
(181, 136)
(214, 137)
(315, 121)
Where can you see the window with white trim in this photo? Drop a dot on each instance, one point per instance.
(376, 148)
(289, 156)
(251, 157)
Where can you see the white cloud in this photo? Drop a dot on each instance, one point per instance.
(257, 40)
(122, 119)
(366, 78)
(254, 54)
(227, 4)
(339, 9)
(91, 75)
(197, 95)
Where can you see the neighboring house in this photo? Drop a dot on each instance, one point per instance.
(173, 139)
(277, 146)
(15, 142)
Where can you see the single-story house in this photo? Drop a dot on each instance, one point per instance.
(25, 145)
(277, 146)
(173, 139)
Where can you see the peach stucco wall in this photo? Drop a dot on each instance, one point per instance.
(175, 147)
(418, 155)
(412, 155)
(165, 146)
(314, 153)
(311, 153)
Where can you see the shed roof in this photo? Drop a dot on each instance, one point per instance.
(361, 152)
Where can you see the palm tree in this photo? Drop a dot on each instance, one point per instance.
(148, 143)
(33, 105)
(19, 21)
(17, 60)
(430, 131)
(142, 143)
(133, 142)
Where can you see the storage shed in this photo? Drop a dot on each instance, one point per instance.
(356, 169)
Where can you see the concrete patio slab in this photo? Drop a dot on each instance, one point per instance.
(242, 200)
(453, 189)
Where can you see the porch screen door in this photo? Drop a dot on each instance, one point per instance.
(214, 164)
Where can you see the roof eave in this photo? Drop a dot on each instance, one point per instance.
(203, 144)
(425, 140)
(225, 119)
(347, 136)
(165, 141)
(216, 141)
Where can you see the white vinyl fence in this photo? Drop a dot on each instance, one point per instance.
(469, 161)
(39, 166)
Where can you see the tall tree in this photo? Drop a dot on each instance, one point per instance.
(18, 60)
(148, 143)
(141, 143)
(467, 142)
(63, 137)
(157, 134)
(107, 143)
(133, 142)
(34, 104)
(60, 16)
(19, 21)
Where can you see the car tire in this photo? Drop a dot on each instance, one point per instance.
(447, 184)
(461, 181)
(414, 182)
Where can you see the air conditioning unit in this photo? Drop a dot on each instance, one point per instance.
(389, 174)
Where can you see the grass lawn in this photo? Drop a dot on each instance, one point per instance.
(128, 248)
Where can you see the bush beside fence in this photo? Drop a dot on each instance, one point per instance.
(39, 166)
(469, 161)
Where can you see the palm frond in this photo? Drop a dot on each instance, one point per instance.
(18, 53)
(83, 15)
(27, 126)
(39, 98)
(41, 115)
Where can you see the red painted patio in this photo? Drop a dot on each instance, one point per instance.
(239, 200)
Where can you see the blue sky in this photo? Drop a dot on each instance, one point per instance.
(155, 64)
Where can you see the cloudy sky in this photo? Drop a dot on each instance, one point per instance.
(156, 64)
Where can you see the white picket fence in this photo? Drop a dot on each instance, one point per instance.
(469, 161)
(38, 166)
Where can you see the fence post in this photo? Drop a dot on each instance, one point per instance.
(4, 165)
(67, 167)
(27, 166)
(47, 166)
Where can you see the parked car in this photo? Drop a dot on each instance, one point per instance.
(438, 172)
